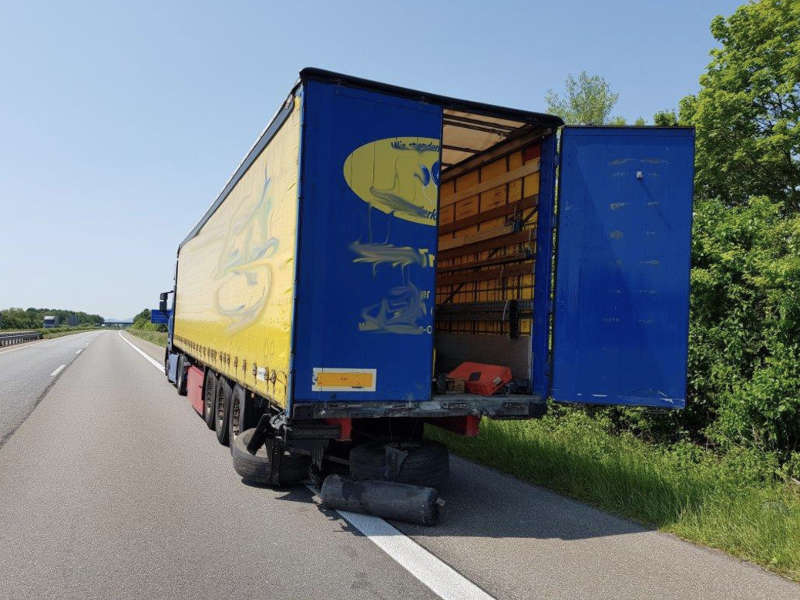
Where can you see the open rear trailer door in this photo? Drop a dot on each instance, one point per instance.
(621, 301)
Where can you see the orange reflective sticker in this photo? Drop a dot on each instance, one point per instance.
(355, 380)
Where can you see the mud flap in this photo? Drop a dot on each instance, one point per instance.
(172, 373)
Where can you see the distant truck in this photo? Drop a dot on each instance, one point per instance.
(374, 238)
(50, 321)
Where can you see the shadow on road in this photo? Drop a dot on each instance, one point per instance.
(481, 502)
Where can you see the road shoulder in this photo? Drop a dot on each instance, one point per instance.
(153, 350)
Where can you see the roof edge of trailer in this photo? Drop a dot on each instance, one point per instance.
(514, 114)
(534, 118)
(274, 124)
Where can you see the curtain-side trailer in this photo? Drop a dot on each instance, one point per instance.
(376, 237)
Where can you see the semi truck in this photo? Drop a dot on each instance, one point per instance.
(376, 239)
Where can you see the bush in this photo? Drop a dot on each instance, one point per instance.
(142, 322)
(32, 318)
(744, 357)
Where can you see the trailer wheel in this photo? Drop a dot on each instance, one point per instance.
(209, 397)
(419, 463)
(238, 412)
(222, 410)
(256, 468)
(180, 376)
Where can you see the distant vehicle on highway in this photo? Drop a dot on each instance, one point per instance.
(384, 258)
(50, 321)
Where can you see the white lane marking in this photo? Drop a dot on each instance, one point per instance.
(58, 370)
(441, 578)
(143, 353)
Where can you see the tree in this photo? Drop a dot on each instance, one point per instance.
(747, 113)
(31, 318)
(665, 118)
(141, 320)
(744, 355)
(744, 359)
(588, 100)
(744, 336)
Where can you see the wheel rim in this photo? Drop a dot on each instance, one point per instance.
(235, 412)
(220, 408)
(209, 400)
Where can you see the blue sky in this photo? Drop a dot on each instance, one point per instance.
(120, 122)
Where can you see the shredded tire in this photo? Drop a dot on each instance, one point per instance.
(418, 463)
(256, 468)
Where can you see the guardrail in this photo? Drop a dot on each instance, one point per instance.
(9, 339)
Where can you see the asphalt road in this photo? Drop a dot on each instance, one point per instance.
(114, 488)
(27, 370)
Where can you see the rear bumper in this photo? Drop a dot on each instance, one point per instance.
(517, 406)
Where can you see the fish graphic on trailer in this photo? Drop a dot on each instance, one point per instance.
(400, 177)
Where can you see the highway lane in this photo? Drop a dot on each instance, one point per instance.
(27, 370)
(114, 488)
(127, 494)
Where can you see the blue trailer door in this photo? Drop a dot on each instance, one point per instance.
(367, 245)
(621, 302)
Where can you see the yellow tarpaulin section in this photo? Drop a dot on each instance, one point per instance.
(236, 276)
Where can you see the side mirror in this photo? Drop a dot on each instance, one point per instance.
(162, 302)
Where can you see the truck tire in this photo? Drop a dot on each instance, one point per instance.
(419, 463)
(222, 410)
(209, 397)
(238, 413)
(257, 469)
(387, 499)
(180, 375)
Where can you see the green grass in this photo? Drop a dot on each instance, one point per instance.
(156, 337)
(732, 502)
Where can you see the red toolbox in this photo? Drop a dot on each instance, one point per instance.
(482, 379)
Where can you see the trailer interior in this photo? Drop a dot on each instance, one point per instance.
(488, 209)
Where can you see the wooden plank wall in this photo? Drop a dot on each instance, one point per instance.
(487, 237)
